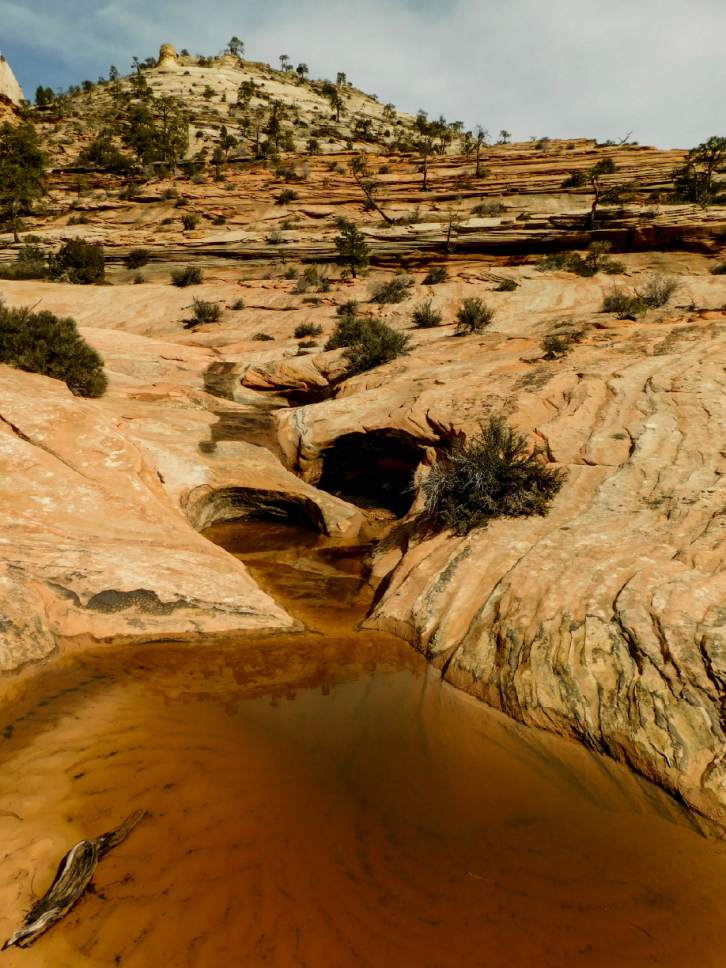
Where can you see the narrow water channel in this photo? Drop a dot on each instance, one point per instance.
(324, 800)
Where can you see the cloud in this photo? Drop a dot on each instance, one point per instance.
(561, 68)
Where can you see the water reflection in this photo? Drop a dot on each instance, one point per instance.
(324, 799)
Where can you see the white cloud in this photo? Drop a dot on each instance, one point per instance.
(565, 67)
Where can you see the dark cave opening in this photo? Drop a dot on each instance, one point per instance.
(374, 469)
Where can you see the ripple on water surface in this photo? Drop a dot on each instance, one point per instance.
(324, 800)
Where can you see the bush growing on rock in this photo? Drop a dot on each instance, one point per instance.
(137, 258)
(262, 337)
(436, 275)
(392, 291)
(622, 304)
(78, 261)
(190, 221)
(238, 305)
(204, 311)
(30, 263)
(473, 316)
(658, 291)
(424, 316)
(719, 270)
(44, 343)
(495, 474)
(189, 276)
(307, 329)
(377, 343)
(656, 294)
(507, 285)
(286, 196)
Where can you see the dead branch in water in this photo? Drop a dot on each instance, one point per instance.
(70, 883)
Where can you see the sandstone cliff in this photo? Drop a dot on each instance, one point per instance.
(9, 86)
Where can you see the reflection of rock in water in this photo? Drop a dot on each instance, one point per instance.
(324, 799)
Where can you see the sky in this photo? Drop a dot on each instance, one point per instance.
(556, 68)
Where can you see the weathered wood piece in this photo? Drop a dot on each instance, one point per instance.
(70, 883)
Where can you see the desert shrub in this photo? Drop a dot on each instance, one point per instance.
(507, 285)
(312, 278)
(719, 270)
(262, 337)
(286, 196)
(473, 316)
(190, 221)
(347, 330)
(494, 474)
(658, 291)
(188, 276)
(78, 261)
(204, 311)
(30, 263)
(307, 329)
(139, 279)
(553, 262)
(137, 259)
(377, 343)
(424, 316)
(556, 345)
(622, 304)
(435, 275)
(238, 305)
(392, 291)
(488, 209)
(307, 344)
(45, 343)
(275, 238)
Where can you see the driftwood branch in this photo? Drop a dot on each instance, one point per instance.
(70, 883)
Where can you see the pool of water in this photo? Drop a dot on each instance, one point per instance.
(324, 800)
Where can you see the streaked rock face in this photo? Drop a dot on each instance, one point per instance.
(8, 83)
(168, 60)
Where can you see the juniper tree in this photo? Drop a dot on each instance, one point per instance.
(22, 172)
(352, 246)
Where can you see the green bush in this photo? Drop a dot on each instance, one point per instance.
(286, 196)
(190, 221)
(262, 337)
(473, 316)
(377, 343)
(79, 262)
(495, 474)
(189, 276)
(137, 258)
(30, 263)
(44, 343)
(238, 305)
(622, 304)
(393, 291)
(555, 345)
(507, 285)
(436, 274)
(658, 291)
(307, 329)
(424, 316)
(719, 270)
(348, 329)
(204, 311)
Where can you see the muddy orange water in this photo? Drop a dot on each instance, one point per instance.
(324, 800)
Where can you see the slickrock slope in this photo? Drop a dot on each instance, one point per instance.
(603, 621)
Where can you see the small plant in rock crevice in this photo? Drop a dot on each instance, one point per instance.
(188, 276)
